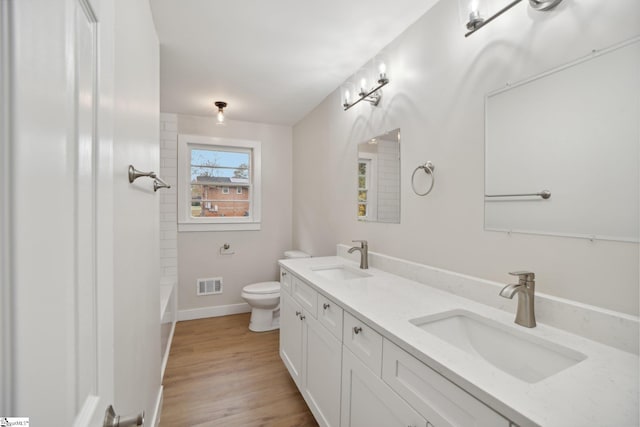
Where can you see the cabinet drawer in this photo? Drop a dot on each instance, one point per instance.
(305, 295)
(285, 280)
(437, 399)
(364, 342)
(330, 315)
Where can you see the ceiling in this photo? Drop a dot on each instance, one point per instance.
(272, 61)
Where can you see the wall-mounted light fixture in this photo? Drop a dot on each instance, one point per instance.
(474, 13)
(221, 106)
(369, 81)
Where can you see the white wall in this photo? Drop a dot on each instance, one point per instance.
(439, 80)
(255, 252)
(136, 210)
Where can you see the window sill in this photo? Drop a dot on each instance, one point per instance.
(238, 226)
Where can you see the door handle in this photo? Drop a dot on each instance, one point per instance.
(113, 420)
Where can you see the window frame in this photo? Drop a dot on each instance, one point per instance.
(186, 222)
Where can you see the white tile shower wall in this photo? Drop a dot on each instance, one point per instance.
(168, 201)
(605, 326)
(388, 181)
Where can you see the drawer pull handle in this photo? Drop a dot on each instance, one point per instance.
(357, 330)
(298, 313)
(284, 273)
(325, 306)
(303, 317)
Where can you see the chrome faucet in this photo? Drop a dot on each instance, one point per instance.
(525, 288)
(364, 253)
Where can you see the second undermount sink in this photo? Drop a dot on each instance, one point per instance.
(526, 357)
(339, 272)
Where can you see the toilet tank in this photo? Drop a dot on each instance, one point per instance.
(296, 254)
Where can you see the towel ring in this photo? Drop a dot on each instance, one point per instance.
(428, 168)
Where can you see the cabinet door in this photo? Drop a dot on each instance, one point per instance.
(322, 369)
(291, 336)
(285, 280)
(443, 403)
(367, 401)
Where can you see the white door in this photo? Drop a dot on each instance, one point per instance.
(60, 255)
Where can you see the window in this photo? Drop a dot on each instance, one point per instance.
(207, 170)
(363, 187)
(367, 203)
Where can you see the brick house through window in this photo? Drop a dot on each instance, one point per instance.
(220, 196)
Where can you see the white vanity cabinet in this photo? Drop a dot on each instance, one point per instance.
(291, 336)
(352, 376)
(367, 401)
(311, 352)
(285, 280)
(440, 401)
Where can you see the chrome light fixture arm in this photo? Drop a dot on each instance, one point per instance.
(372, 96)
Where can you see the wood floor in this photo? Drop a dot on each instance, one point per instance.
(221, 374)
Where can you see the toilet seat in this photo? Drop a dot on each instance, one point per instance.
(262, 288)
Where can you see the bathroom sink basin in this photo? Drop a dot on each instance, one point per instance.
(528, 358)
(339, 272)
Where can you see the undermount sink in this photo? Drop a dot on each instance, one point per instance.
(523, 356)
(339, 272)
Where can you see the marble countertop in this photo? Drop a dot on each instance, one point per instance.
(601, 390)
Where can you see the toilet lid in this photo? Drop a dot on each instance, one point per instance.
(263, 288)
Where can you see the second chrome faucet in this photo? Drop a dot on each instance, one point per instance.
(525, 288)
(364, 253)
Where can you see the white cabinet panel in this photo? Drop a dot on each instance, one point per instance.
(364, 342)
(367, 401)
(305, 295)
(291, 336)
(330, 315)
(437, 399)
(285, 280)
(322, 357)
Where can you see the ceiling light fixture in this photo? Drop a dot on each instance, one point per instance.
(221, 106)
(375, 72)
(474, 11)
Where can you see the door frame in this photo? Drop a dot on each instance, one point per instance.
(6, 341)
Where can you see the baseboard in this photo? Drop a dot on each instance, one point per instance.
(213, 311)
(165, 356)
(157, 411)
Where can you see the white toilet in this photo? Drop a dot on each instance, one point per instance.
(264, 299)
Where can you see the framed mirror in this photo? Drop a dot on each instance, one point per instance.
(378, 190)
(562, 150)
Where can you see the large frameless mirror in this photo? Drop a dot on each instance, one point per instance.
(378, 195)
(562, 150)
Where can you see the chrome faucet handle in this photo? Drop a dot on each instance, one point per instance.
(526, 276)
(363, 243)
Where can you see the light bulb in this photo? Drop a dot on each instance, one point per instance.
(346, 93)
(472, 13)
(220, 116)
(382, 69)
